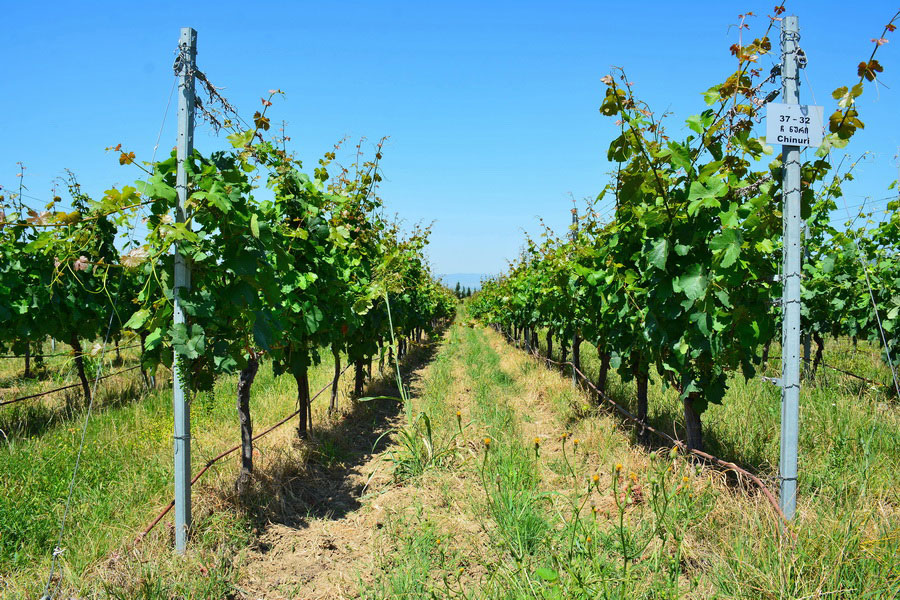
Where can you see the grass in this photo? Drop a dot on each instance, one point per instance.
(124, 480)
(505, 482)
(847, 526)
(414, 555)
(508, 473)
(658, 526)
(849, 437)
(32, 417)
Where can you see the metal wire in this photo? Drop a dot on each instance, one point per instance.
(61, 353)
(887, 350)
(58, 549)
(66, 387)
(224, 454)
(628, 415)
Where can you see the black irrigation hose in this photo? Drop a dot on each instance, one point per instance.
(60, 353)
(704, 455)
(866, 379)
(827, 366)
(66, 387)
(222, 455)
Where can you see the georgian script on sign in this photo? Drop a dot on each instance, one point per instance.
(795, 124)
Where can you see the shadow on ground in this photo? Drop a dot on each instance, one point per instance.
(33, 417)
(664, 418)
(330, 482)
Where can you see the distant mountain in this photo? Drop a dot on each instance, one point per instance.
(466, 280)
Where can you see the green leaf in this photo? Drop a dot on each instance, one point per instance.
(263, 330)
(241, 138)
(714, 187)
(188, 342)
(39, 242)
(137, 319)
(619, 150)
(154, 338)
(548, 575)
(700, 195)
(723, 297)
(694, 123)
(728, 243)
(712, 95)
(225, 364)
(681, 156)
(701, 320)
(765, 246)
(700, 122)
(155, 187)
(659, 251)
(219, 200)
(692, 283)
(730, 218)
(708, 170)
(254, 225)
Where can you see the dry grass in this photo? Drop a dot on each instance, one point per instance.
(329, 518)
(737, 549)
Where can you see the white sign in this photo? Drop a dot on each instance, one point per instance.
(795, 124)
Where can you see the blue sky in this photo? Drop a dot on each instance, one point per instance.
(491, 107)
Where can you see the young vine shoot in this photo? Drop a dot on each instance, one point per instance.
(631, 451)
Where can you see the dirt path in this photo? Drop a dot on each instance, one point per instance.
(326, 535)
(351, 531)
(321, 539)
(543, 509)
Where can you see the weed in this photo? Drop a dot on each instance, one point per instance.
(419, 450)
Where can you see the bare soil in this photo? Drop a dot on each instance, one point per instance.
(334, 524)
(323, 537)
